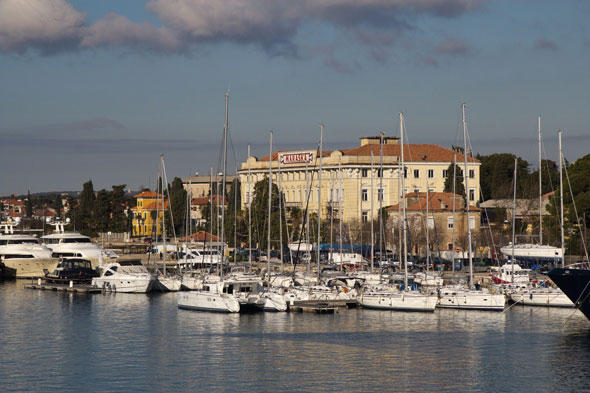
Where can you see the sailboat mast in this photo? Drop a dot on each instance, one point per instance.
(372, 218)
(280, 216)
(403, 201)
(320, 198)
(561, 200)
(380, 198)
(514, 218)
(249, 193)
(427, 231)
(454, 200)
(225, 129)
(269, 208)
(465, 177)
(540, 186)
(163, 216)
(340, 213)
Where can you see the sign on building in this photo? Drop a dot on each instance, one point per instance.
(302, 157)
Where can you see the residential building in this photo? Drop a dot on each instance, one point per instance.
(443, 225)
(352, 178)
(201, 185)
(197, 205)
(148, 214)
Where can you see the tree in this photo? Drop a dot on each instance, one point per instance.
(57, 205)
(118, 202)
(454, 172)
(497, 174)
(260, 214)
(178, 205)
(29, 205)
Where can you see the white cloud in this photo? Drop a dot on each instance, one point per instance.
(48, 25)
(54, 25)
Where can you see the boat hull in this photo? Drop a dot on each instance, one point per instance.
(125, 285)
(205, 301)
(542, 298)
(472, 301)
(31, 267)
(575, 283)
(399, 302)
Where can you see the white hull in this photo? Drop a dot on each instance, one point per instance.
(31, 267)
(471, 300)
(207, 301)
(543, 298)
(274, 302)
(171, 284)
(125, 284)
(401, 301)
(192, 283)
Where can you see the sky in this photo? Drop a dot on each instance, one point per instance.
(97, 90)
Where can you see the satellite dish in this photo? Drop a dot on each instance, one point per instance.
(68, 220)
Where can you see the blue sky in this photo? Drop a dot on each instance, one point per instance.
(98, 89)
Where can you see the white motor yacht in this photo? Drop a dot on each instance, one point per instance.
(26, 255)
(74, 244)
(126, 277)
(196, 258)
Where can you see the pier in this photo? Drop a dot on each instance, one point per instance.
(75, 288)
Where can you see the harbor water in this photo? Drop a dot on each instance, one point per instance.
(52, 341)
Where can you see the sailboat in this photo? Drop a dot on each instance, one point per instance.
(391, 298)
(232, 293)
(537, 294)
(532, 253)
(462, 297)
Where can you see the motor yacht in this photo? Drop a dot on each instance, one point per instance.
(126, 277)
(510, 273)
(74, 244)
(26, 255)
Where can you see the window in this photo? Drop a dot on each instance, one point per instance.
(430, 173)
(471, 173)
(416, 190)
(405, 173)
(379, 172)
(380, 195)
(471, 194)
(364, 195)
(416, 173)
(365, 216)
(445, 173)
(364, 172)
(471, 222)
(450, 223)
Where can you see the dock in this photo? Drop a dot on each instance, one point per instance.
(318, 307)
(76, 288)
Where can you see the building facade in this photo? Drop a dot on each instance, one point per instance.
(148, 214)
(199, 186)
(356, 182)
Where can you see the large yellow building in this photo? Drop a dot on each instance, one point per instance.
(148, 214)
(351, 178)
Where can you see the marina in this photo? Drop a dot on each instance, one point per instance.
(155, 346)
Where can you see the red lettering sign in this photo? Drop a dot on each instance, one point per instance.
(305, 157)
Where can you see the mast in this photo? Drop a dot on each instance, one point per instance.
(340, 213)
(249, 211)
(163, 216)
(320, 197)
(225, 130)
(331, 252)
(561, 199)
(514, 218)
(466, 177)
(380, 198)
(269, 208)
(403, 201)
(427, 232)
(372, 218)
(540, 186)
(210, 217)
(454, 199)
(280, 216)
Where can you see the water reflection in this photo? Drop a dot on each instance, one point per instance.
(114, 342)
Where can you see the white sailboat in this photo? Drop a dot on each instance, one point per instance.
(393, 298)
(462, 297)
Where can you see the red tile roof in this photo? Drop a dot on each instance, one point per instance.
(201, 237)
(201, 201)
(148, 194)
(437, 201)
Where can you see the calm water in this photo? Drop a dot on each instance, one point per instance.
(63, 342)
